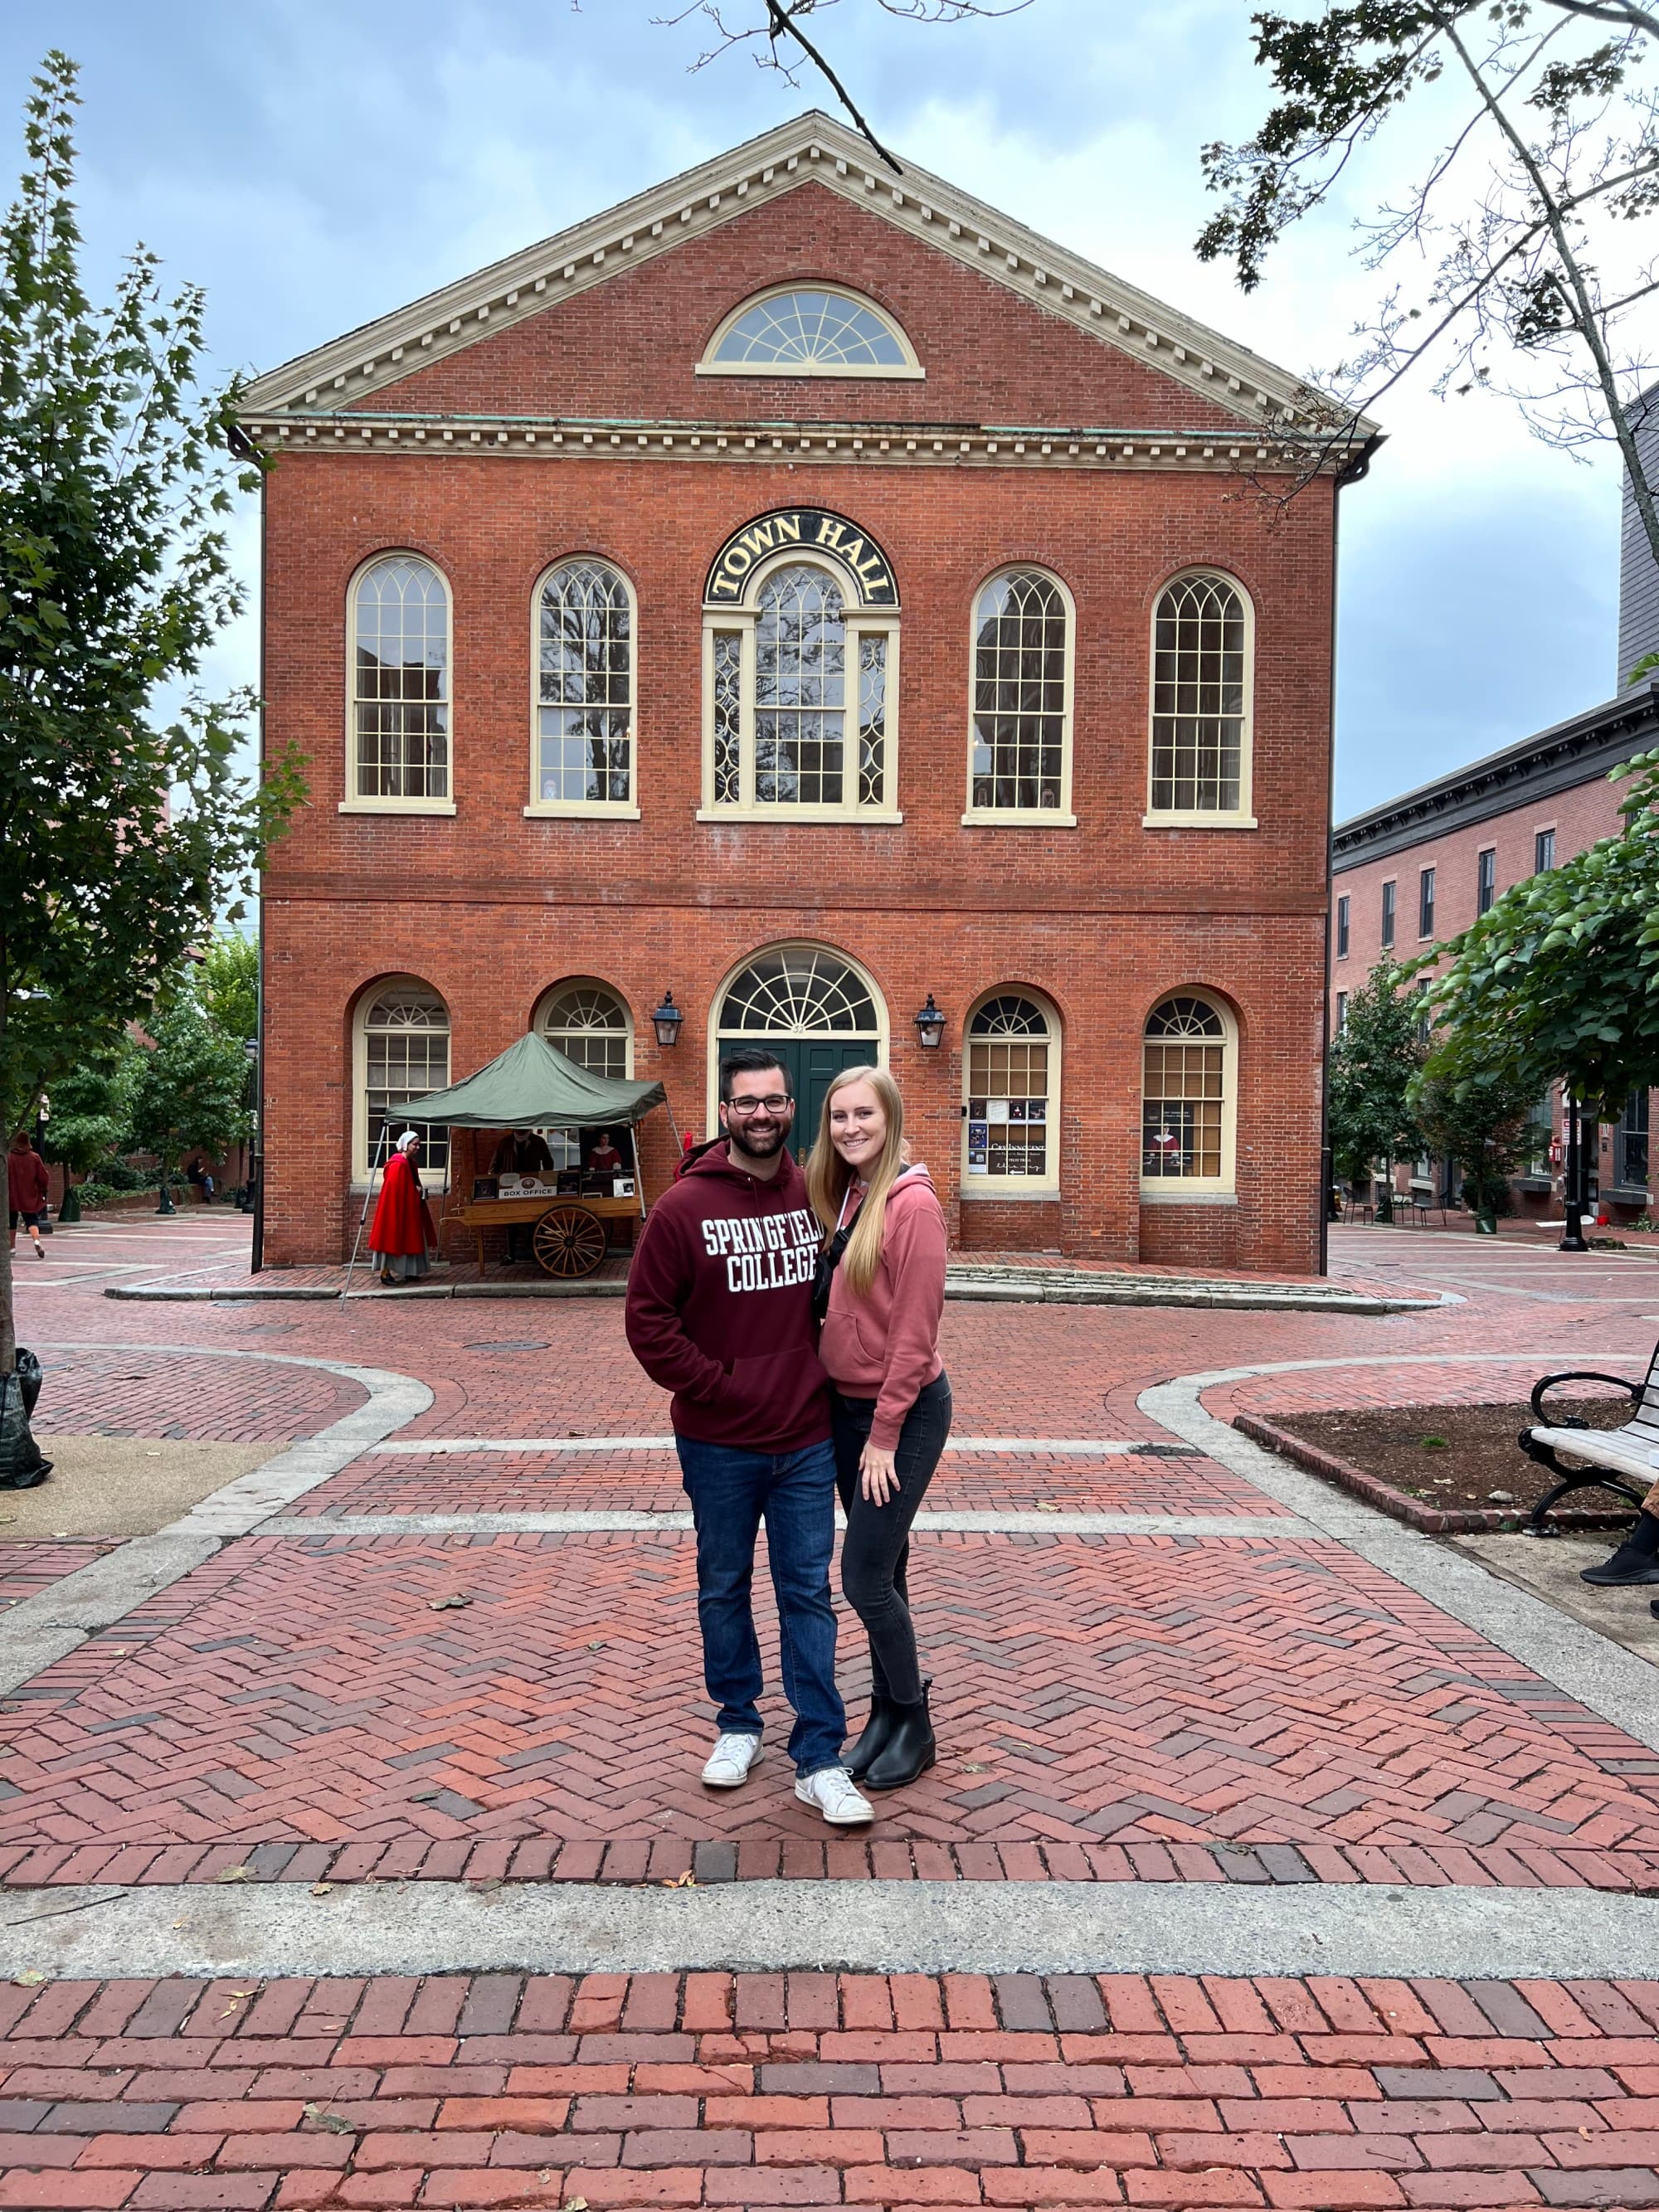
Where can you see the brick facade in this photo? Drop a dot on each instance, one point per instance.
(491, 909)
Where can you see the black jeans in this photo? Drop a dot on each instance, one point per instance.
(875, 1554)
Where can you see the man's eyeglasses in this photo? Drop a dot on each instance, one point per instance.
(773, 1103)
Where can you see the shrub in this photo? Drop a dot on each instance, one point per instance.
(95, 1193)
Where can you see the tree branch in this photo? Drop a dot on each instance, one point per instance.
(784, 25)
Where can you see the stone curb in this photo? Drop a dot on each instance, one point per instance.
(1469, 1521)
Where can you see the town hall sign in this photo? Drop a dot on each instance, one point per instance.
(807, 527)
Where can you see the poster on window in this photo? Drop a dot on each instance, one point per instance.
(996, 1110)
(976, 1162)
(999, 1159)
(1036, 1109)
(977, 1138)
(1035, 1157)
(1016, 1109)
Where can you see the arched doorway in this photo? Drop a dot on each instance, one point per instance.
(813, 1008)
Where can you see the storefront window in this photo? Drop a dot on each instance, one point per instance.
(1186, 1096)
(1012, 1127)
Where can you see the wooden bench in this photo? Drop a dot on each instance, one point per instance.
(1625, 1460)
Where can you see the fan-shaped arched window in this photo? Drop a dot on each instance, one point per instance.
(589, 1024)
(399, 736)
(1020, 750)
(1189, 1097)
(798, 991)
(1013, 1094)
(402, 1052)
(809, 331)
(1202, 679)
(799, 682)
(584, 733)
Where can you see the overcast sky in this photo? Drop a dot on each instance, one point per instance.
(314, 165)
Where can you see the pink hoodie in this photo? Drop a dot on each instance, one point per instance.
(884, 1345)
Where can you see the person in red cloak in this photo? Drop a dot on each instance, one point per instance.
(403, 1227)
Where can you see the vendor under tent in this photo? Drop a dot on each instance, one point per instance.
(534, 1085)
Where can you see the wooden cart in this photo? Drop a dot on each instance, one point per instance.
(570, 1237)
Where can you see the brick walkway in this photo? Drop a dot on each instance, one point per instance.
(1245, 1710)
(819, 2089)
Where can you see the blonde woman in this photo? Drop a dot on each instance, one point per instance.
(881, 1294)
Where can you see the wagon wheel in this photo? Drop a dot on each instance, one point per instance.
(569, 1241)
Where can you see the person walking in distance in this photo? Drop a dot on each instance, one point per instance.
(26, 1189)
(890, 1401)
(719, 1311)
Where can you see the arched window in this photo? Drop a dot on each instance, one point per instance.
(1014, 1094)
(590, 1025)
(400, 687)
(809, 331)
(584, 735)
(1020, 752)
(1201, 685)
(799, 683)
(811, 1006)
(402, 1052)
(1189, 1097)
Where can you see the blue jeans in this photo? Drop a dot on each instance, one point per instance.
(732, 1492)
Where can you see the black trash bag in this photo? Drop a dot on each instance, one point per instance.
(22, 1463)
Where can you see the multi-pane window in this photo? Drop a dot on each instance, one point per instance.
(405, 1034)
(1342, 912)
(1387, 915)
(589, 1024)
(1541, 1132)
(1631, 1143)
(1424, 1017)
(400, 681)
(807, 331)
(1011, 1106)
(584, 688)
(1485, 880)
(1201, 698)
(1543, 851)
(1341, 1010)
(1020, 752)
(1184, 1093)
(1425, 902)
(799, 687)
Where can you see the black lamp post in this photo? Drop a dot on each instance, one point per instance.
(665, 1019)
(930, 1026)
(1573, 1236)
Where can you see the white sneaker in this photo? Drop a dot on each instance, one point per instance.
(731, 1759)
(831, 1791)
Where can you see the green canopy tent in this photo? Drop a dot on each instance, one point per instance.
(531, 1085)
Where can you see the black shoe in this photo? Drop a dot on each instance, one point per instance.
(871, 1745)
(910, 1750)
(1629, 1565)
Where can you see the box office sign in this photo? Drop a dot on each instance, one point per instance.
(814, 530)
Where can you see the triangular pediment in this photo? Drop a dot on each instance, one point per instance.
(811, 148)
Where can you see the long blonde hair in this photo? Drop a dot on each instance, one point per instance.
(829, 1177)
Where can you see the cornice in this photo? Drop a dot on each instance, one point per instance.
(1555, 760)
(863, 444)
(812, 147)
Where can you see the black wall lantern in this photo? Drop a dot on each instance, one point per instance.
(930, 1026)
(666, 1020)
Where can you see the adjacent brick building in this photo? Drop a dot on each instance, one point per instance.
(805, 591)
(1425, 866)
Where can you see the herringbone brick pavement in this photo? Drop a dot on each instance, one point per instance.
(774, 2090)
(30, 1564)
(553, 1482)
(163, 1394)
(1145, 1695)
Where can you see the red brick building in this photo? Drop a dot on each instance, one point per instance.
(807, 591)
(1426, 864)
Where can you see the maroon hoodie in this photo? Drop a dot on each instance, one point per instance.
(720, 1306)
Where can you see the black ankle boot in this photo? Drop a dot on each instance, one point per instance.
(877, 1731)
(910, 1750)
(1636, 1559)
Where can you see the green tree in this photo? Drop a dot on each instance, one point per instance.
(123, 834)
(1522, 245)
(1479, 1117)
(1561, 977)
(228, 984)
(189, 1087)
(1373, 1060)
(90, 1112)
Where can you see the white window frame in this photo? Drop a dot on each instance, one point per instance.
(860, 621)
(1242, 816)
(354, 802)
(611, 809)
(1190, 1190)
(538, 1019)
(911, 366)
(362, 1167)
(1022, 818)
(721, 1041)
(1007, 1190)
